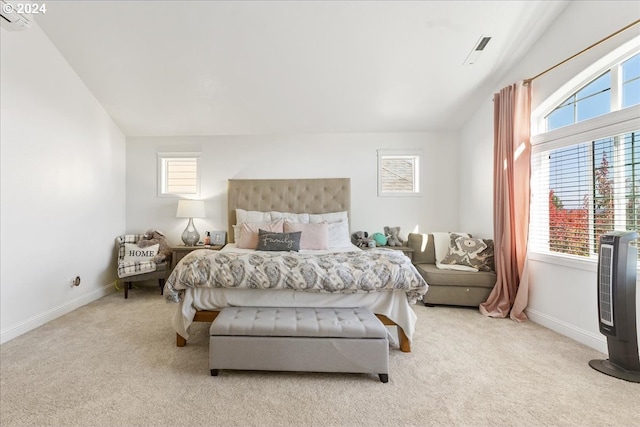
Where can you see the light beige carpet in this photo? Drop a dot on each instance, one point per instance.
(114, 363)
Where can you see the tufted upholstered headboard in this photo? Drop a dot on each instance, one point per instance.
(314, 196)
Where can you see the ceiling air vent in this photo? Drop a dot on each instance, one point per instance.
(11, 19)
(476, 51)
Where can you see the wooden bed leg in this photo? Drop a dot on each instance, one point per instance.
(405, 345)
(180, 342)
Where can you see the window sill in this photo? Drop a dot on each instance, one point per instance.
(406, 194)
(587, 264)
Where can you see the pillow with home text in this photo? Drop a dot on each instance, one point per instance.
(134, 253)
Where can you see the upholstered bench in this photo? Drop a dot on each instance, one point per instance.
(299, 339)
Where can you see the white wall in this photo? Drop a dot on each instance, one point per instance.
(63, 186)
(298, 156)
(562, 298)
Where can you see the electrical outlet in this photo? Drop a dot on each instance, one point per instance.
(75, 282)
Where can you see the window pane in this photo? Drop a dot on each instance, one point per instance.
(398, 174)
(591, 101)
(632, 181)
(593, 106)
(604, 188)
(181, 176)
(560, 117)
(569, 188)
(178, 174)
(596, 86)
(568, 175)
(631, 93)
(631, 68)
(588, 189)
(631, 81)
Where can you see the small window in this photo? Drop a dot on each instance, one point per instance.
(398, 172)
(178, 174)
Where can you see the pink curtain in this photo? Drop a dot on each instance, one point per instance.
(511, 172)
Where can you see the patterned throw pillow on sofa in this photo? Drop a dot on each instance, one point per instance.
(487, 257)
(470, 252)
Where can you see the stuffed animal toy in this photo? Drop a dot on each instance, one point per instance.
(360, 239)
(153, 237)
(380, 239)
(392, 235)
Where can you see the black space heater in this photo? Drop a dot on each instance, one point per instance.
(617, 264)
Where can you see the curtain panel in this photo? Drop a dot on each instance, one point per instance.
(511, 194)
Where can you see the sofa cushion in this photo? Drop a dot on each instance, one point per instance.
(435, 276)
(424, 251)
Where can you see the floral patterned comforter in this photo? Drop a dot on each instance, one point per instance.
(374, 270)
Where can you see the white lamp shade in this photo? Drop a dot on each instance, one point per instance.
(190, 209)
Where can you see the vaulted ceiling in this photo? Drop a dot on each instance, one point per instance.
(286, 67)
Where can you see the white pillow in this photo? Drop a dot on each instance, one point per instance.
(251, 216)
(328, 217)
(339, 234)
(134, 253)
(302, 218)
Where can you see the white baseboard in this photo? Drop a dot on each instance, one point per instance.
(41, 319)
(597, 342)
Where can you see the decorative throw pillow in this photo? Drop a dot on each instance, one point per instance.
(465, 251)
(248, 232)
(486, 257)
(314, 236)
(269, 241)
(134, 253)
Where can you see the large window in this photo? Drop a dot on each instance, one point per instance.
(586, 166)
(592, 188)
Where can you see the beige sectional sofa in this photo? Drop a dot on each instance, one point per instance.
(448, 287)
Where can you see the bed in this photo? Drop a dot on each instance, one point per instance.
(199, 295)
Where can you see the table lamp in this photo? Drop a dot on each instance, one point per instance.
(190, 209)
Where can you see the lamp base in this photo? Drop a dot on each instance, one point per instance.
(190, 236)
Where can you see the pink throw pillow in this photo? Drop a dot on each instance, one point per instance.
(314, 236)
(248, 238)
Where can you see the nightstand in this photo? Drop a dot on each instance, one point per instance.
(180, 251)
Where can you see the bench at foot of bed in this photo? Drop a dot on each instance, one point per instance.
(210, 316)
(299, 339)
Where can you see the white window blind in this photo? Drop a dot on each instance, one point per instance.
(398, 172)
(178, 174)
(581, 191)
